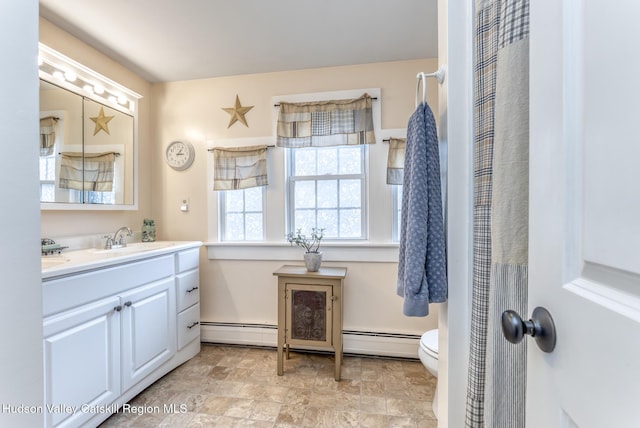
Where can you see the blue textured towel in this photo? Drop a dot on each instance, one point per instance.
(422, 266)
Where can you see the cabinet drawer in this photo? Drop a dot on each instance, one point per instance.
(188, 325)
(188, 259)
(65, 293)
(188, 289)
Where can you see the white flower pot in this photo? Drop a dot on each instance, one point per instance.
(312, 261)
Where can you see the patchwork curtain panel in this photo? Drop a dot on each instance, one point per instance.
(395, 160)
(326, 123)
(47, 135)
(239, 167)
(497, 368)
(87, 171)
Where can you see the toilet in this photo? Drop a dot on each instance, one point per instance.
(428, 353)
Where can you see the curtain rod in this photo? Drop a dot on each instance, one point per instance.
(373, 98)
(268, 147)
(116, 154)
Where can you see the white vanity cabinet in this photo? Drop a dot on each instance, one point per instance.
(110, 332)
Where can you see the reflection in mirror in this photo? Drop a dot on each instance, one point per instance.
(60, 126)
(86, 150)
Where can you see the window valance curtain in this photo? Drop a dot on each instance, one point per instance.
(87, 171)
(395, 160)
(239, 167)
(326, 123)
(47, 135)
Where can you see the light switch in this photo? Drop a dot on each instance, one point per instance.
(184, 204)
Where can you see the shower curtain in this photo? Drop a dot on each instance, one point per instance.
(497, 368)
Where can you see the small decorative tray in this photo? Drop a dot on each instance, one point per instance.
(49, 247)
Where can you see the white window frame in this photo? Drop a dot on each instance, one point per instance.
(291, 179)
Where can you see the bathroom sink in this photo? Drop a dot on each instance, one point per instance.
(49, 262)
(121, 250)
(135, 247)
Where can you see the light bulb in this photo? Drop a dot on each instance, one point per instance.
(88, 88)
(122, 99)
(70, 76)
(98, 88)
(58, 75)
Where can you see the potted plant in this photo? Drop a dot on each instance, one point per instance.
(311, 244)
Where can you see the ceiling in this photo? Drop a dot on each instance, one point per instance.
(169, 40)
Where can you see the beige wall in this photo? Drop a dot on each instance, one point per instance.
(239, 291)
(61, 224)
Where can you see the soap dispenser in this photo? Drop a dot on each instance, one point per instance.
(148, 230)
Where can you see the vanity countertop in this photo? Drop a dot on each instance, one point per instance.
(71, 262)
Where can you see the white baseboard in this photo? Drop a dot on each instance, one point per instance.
(354, 342)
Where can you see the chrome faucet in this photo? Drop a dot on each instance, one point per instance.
(114, 242)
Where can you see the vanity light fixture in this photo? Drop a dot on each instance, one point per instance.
(70, 74)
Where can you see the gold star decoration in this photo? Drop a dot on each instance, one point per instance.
(237, 113)
(101, 122)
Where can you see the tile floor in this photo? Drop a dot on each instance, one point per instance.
(229, 386)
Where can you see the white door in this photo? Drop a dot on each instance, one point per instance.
(585, 212)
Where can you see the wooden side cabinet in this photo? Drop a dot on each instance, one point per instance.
(310, 310)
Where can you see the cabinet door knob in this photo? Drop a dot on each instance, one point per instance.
(128, 303)
(118, 308)
(195, 323)
(192, 289)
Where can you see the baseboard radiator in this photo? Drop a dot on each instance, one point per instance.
(354, 342)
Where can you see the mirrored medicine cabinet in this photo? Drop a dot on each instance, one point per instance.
(88, 138)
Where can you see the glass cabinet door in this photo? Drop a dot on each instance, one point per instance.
(308, 314)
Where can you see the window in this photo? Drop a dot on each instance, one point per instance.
(47, 178)
(91, 197)
(397, 211)
(327, 190)
(242, 214)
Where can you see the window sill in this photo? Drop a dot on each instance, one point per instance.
(332, 252)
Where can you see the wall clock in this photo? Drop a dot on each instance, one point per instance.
(180, 155)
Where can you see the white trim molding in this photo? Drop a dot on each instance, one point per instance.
(333, 252)
(354, 342)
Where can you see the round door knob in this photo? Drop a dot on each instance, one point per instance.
(540, 327)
